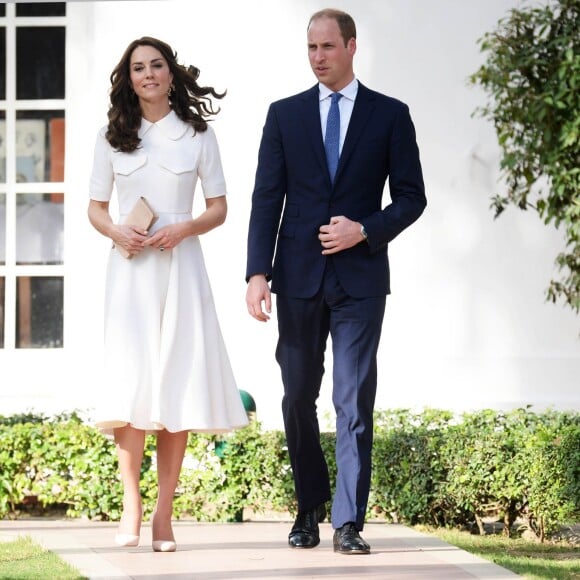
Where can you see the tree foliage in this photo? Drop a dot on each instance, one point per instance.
(532, 76)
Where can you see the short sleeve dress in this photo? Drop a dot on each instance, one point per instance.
(166, 364)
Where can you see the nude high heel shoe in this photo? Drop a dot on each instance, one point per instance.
(164, 546)
(126, 540)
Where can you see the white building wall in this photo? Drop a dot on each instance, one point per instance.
(467, 325)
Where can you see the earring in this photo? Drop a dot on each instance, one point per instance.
(170, 89)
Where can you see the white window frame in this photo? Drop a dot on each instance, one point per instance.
(11, 271)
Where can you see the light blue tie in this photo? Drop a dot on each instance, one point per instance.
(332, 137)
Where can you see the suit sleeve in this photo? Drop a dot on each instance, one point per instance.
(267, 199)
(406, 186)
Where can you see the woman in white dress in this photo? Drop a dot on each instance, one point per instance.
(166, 367)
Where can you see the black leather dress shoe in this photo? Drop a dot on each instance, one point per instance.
(347, 540)
(304, 533)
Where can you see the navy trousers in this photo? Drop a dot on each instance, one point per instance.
(354, 325)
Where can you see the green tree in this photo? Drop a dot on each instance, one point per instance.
(532, 78)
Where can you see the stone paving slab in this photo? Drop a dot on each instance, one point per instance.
(252, 550)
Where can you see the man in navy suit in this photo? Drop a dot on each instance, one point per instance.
(320, 233)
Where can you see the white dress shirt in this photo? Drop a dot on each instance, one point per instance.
(345, 106)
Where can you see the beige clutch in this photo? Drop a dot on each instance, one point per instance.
(142, 216)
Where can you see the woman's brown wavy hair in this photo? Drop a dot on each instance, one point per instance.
(190, 102)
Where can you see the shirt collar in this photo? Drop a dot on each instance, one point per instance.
(171, 126)
(349, 91)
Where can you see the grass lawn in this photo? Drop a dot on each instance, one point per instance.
(524, 557)
(23, 559)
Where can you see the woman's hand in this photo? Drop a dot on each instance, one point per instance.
(167, 237)
(171, 235)
(129, 238)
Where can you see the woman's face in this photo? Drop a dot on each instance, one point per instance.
(150, 75)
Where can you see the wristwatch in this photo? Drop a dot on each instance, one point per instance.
(363, 233)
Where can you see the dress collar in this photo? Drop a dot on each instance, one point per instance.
(171, 126)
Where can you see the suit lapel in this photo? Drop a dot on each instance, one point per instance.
(361, 112)
(311, 120)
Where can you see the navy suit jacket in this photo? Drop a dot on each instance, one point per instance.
(293, 194)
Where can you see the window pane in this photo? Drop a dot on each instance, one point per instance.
(2, 10)
(2, 147)
(39, 317)
(39, 146)
(2, 283)
(40, 62)
(2, 228)
(2, 63)
(41, 9)
(39, 229)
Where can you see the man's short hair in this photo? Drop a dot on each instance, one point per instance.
(345, 22)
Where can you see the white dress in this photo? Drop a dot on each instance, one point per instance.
(166, 365)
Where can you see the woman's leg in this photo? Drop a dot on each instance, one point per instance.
(130, 443)
(170, 452)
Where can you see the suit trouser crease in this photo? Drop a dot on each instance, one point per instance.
(355, 328)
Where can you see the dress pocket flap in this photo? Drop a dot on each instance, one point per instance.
(177, 165)
(125, 164)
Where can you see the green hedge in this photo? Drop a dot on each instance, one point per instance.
(430, 467)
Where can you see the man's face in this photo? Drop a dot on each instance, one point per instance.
(330, 59)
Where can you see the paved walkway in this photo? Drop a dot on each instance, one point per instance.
(251, 550)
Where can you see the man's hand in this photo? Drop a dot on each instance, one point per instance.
(340, 234)
(258, 292)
